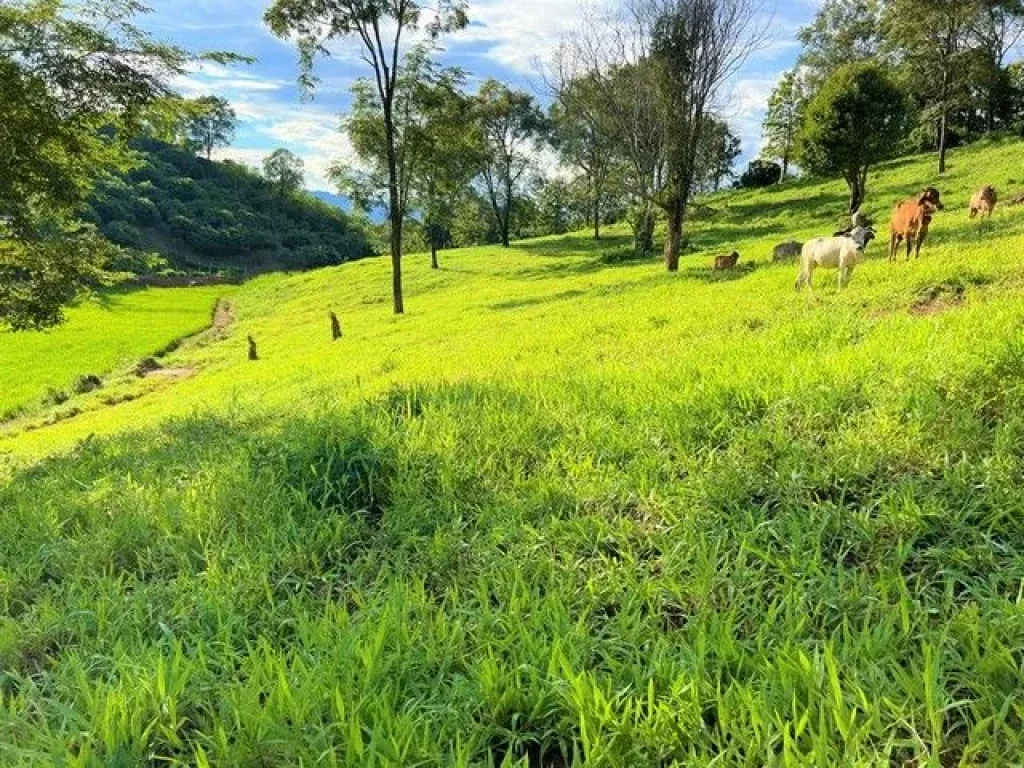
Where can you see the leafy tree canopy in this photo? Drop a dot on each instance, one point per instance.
(857, 119)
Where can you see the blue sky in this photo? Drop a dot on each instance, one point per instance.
(506, 40)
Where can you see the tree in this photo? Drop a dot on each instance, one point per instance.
(761, 173)
(73, 89)
(1015, 76)
(782, 122)
(450, 152)
(857, 119)
(843, 32)
(997, 27)
(211, 124)
(436, 146)
(379, 25)
(696, 45)
(933, 50)
(510, 123)
(580, 135)
(717, 153)
(284, 169)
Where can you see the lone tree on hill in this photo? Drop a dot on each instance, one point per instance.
(436, 147)
(511, 122)
(856, 120)
(696, 45)
(782, 123)
(284, 169)
(379, 25)
(212, 124)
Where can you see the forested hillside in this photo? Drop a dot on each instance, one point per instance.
(204, 215)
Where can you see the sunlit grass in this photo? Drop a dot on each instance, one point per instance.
(112, 329)
(567, 511)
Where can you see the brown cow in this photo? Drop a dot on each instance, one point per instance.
(984, 202)
(910, 221)
(727, 260)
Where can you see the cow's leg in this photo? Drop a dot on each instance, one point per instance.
(844, 276)
(894, 244)
(917, 250)
(910, 246)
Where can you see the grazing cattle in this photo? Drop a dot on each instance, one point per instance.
(984, 202)
(910, 221)
(727, 260)
(787, 251)
(840, 253)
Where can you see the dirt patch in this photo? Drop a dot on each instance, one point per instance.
(172, 374)
(933, 299)
(223, 314)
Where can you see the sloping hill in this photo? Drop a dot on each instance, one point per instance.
(206, 216)
(569, 510)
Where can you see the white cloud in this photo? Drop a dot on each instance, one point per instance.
(316, 138)
(520, 33)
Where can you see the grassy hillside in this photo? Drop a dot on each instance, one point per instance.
(112, 330)
(212, 216)
(569, 510)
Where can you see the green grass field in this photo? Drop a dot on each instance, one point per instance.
(569, 510)
(111, 330)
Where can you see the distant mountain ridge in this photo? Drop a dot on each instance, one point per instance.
(377, 215)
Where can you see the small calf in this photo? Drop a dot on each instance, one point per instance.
(984, 202)
(840, 253)
(786, 251)
(727, 260)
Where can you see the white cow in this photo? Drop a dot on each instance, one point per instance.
(842, 253)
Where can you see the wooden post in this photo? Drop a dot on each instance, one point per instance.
(252, 349)
(335, 327)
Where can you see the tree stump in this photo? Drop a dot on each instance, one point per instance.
(252, 349)
(335, 327)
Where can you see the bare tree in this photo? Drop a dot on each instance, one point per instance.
(695, 46)
(606, 52)
(661, 65)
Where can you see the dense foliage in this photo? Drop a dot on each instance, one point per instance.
(952, 58)
(761, 173)
(857, 118)
(72, 87)
(213, 216)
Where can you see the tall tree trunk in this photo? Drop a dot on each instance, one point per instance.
(674, 235)
(856, 180)
(507, 223)
(785, 168)
(433, 247)
(597, 216)
(943, 129)
(395, 213)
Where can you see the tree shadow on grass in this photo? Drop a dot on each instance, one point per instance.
(573, 245)
(535, 300)
(111, 297)
(712, 276)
